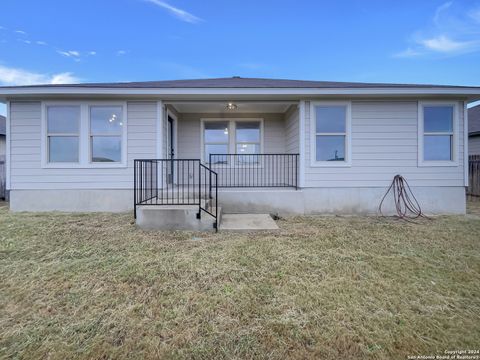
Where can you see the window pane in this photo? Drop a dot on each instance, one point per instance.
(331, 119)
(331, 148)
(248, 131)
(216, 149)
(63, 149)
(106, 120)
(248, 148)
(106, 149)
(63, 119)
(438, 118)
(216, 131)
(437, 147)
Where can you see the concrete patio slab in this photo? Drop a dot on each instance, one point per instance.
(247, 222)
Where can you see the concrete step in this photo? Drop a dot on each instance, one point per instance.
(248, 222)
(175, 217)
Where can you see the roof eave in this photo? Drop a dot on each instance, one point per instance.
(9, 92)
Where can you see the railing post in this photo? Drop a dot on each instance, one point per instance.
(210, 176)
(199, 189)
(134, 189)
(296, 171)
(216, 202)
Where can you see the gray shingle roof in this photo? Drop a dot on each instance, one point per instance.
(3, 125)
(474, 120)
(240, 82)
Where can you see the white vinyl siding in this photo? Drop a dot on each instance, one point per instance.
(384, 143)
(292, 131)
(26, 170)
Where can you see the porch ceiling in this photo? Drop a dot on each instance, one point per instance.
(242, 106)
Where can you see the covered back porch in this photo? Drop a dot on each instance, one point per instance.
(217, 153)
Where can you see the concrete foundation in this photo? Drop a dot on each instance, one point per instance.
(347, 201)
(72, 200)
(173, 218)
(433, 200)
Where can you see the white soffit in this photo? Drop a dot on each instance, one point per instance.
(221, 107)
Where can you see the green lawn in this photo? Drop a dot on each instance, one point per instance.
(93, 286)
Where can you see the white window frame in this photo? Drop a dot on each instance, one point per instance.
(84, 136)
(232, 138)
(91, 135)
(77, 134)
(204, 143)
(348, 134)
(421, 134)
(236, 142)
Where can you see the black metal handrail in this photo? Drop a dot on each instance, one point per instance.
(208, 179)
(175, 182)
(255, 170)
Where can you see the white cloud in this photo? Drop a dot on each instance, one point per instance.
(440, 10)
(453, 31)
(121, 52)
(92, 53)
(408, 53)
(41, 43)
(64, 78)
(178, 13)
(69, 53)
(25, 41)
(21, 32)
(446, 45)
(14, 76)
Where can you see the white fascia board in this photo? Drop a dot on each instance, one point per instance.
(6, 92)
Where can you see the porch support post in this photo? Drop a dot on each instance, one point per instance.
(8, 163)
(160, 179)
(465, 144)
(159, 137)
(301, 139)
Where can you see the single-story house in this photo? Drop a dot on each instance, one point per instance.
(254, 145)
(474, 130)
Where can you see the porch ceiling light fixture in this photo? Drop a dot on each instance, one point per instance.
(231, 106)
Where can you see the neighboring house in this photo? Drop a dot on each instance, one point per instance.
(333, 147)
(474, 130)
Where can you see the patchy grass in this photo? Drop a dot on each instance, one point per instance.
(92, 286)
(473, 205)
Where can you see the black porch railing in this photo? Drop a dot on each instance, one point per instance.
(176, 182)
(255, 170)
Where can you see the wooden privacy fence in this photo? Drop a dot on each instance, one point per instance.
(3, 178)
(474, 175)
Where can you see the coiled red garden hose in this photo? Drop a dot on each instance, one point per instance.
(406, 203)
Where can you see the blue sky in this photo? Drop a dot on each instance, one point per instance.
(53, 41)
